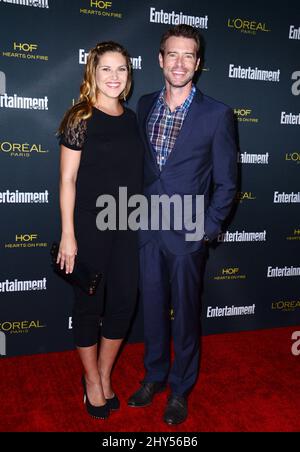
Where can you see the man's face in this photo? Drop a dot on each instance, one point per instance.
(179, 62)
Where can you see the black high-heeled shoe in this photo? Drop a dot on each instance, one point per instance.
(113, 403)
(98, 412)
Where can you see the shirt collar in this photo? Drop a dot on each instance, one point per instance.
(184, 106)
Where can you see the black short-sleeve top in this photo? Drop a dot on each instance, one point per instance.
(112, 156)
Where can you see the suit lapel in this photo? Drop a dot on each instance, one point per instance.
(145, 121)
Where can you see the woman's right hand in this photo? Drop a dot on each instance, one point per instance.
(67, 252)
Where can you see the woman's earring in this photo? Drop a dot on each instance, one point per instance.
(124, 96)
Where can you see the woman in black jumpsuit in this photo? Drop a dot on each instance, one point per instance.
(108, 155)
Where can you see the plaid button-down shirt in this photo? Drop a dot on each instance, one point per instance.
(164, 126)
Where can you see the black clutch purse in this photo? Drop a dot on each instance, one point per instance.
(81, 276)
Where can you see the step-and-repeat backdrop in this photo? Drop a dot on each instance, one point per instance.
(251, 62)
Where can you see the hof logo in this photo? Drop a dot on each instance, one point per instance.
(25, 47)
(296, 85)
(2, 344)
(26, 241)
(100, 4)
(244, 115)
(229, 273)
(295, 235)
(24, 50)
(26, 237)
(247, 26)
(100, 8)
(241, 112)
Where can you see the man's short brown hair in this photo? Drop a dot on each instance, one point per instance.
(183, 31)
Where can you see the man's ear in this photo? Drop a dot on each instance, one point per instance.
(161, 60)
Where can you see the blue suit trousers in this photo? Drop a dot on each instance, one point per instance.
(168, 279)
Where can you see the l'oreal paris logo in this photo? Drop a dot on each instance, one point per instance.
(247, 26)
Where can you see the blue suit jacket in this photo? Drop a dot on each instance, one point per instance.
(203, 161)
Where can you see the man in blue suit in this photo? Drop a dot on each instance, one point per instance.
(190, 150)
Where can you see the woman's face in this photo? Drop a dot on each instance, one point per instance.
(111, 74)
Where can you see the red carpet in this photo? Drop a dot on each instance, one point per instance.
(248, 382)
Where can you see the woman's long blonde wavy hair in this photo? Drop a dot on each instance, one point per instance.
(82, 109)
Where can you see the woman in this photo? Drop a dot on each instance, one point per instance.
(108, 155)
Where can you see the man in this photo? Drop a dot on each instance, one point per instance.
(190, 150)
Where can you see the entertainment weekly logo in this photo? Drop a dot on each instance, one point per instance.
(286, 198)
(242, 236)
(135, 61)
(290, 119)
(282, 272)
(175, 18)
(19, 197)
(294, 32)
(21, 102)
(230, 311)
(70, 323)
(253, 73)
(255, 159)
(34, 3)
(23, 285)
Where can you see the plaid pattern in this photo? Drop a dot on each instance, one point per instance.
(164, 126)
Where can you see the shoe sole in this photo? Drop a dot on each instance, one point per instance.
(139, 406)
(174, 423)
(102, 418)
